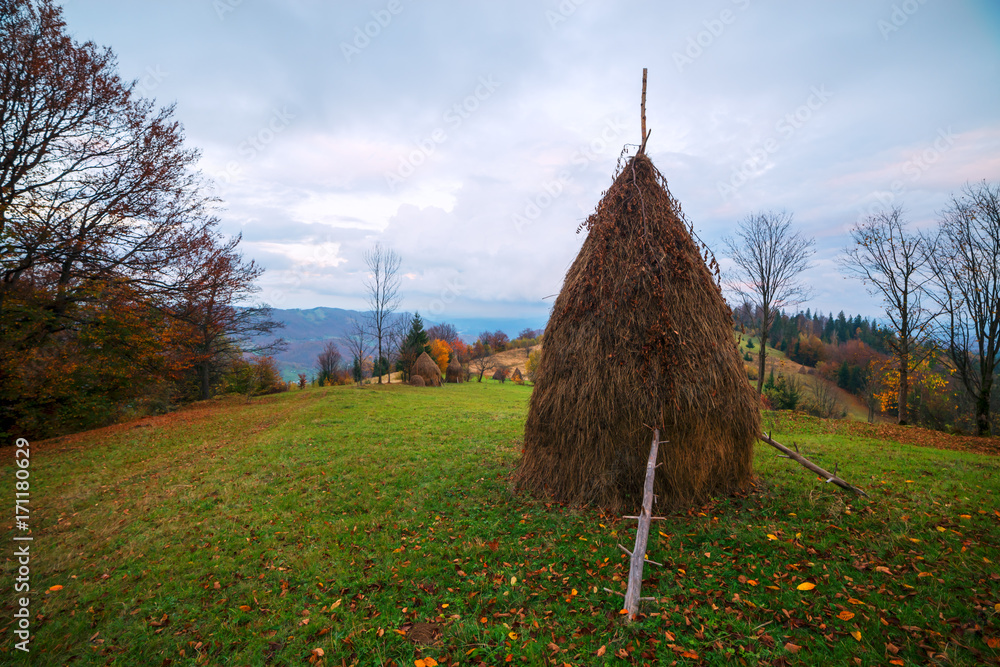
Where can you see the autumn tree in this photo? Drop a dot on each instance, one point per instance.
(329, 364)
(768, 257)
(217, 305)
(482, 359)
(95, 182)
(440, 353)
(101, 212)
(382, 286)
(967, 288)
(892, 262)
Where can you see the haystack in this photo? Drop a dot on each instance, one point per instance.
(426, 368)
(454, 372)
(516, 376)
(639, 337)
(417, 381)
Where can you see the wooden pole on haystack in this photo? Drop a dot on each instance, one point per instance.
(795, 456)
(642, 108)
(638, 553)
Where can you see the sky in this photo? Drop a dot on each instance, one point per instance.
(473, 137)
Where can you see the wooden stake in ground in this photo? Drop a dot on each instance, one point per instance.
(641, 535)
(795, 456)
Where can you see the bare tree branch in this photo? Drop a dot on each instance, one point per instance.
(769, 257)
(967, 287)
(893, 265)
(382, 284)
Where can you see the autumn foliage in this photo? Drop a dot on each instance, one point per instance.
(118, 296)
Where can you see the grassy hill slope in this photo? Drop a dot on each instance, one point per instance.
(378, 525)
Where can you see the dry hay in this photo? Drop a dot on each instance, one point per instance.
(516, 376)
(426, 368)
(454, 372)
(417, 381)
(639, 337)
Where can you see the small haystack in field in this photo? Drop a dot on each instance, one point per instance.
(516, 376)
(426, 368)
(640, 337)
(454, 372)
(417, 381)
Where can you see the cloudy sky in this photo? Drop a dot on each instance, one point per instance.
(474, 137)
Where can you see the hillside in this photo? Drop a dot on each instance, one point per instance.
(806, 377)
(333, 525)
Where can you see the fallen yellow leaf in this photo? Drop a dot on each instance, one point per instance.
(601, 651)
(856, 634)
(845, 615)
(512, 635)
(244, 607)
(771, 537)
(513, 581)
(806, 586)
(430, 662)
(57, 587)
(444, 605)
(854, 601)
(573, 592)
(941, 529)
(964, 516)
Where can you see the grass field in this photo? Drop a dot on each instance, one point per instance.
(377, 526)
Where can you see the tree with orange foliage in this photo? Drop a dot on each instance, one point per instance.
(441, 353)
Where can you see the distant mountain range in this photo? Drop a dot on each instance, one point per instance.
(307, 331)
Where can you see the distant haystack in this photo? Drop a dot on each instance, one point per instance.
(639, 337)
(426, 368)
(454, 373)
(417, 381)
(516, 376)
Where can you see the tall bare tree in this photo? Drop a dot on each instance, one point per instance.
(967, 286)
(768, 258)
(382, 285)
(892, 262)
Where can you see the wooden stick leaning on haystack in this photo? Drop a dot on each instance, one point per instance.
(795, 456)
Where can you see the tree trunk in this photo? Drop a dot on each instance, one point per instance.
(904, 386)
(762, 355)
(206, 387)
(983, 408)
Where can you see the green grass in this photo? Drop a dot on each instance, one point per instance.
(337, 518)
